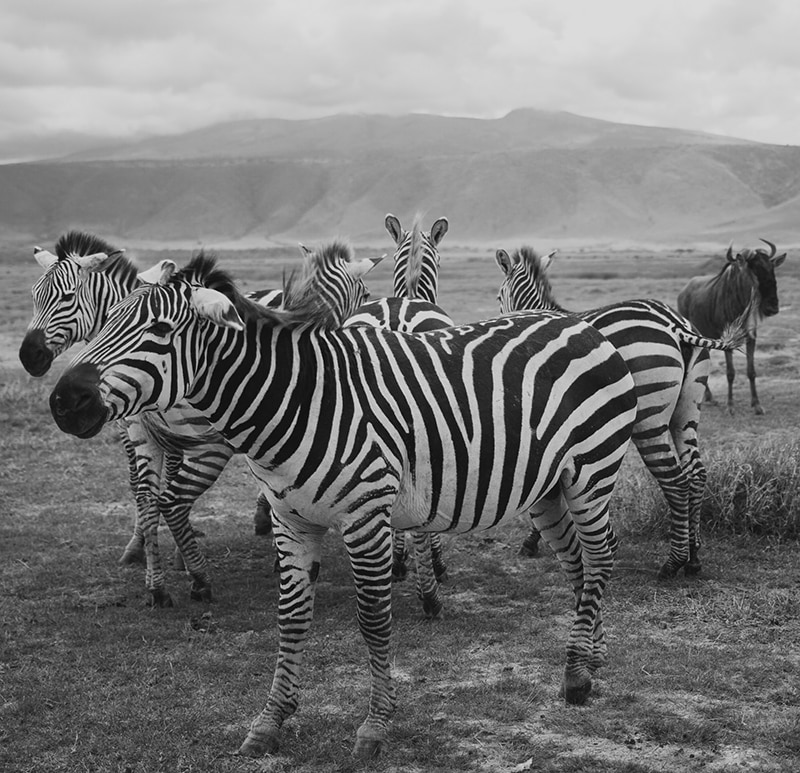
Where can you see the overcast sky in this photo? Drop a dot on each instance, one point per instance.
(127, 67)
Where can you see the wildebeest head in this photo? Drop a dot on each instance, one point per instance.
(760, 266)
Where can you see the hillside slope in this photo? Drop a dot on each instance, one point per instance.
(529, 175)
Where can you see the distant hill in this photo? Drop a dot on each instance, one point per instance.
(530, 175)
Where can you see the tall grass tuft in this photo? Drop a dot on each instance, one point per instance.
(755, 490)
(751, 490)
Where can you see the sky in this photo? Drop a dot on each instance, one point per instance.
(127, 68)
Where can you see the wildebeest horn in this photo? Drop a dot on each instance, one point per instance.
(772, 247)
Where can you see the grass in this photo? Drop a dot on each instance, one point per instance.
(702, 673)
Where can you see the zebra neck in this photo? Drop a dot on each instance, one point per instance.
(106, 289)
(256, 386)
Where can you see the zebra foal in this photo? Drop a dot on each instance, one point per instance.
(364, 429)
(669, 363)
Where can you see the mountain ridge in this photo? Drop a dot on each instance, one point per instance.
(528, 175)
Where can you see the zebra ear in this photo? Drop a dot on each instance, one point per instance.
(304, 250)
(358, 268)
(97, 261)
(394, 228)
(215, 306)
(159, 274)
(548, 259)
(504, 261)
(44, 258)
(438, 230)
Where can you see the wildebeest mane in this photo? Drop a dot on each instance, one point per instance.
(732, 291)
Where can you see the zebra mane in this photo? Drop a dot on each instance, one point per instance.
(414, 260)
(85, 243)
(302, 303)
(81, 243)
(532, 262)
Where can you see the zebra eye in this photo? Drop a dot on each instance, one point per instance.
(161, 329)
(67, 297)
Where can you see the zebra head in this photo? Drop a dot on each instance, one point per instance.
(416, 259)
(757, 269)
(68, 304)
(159, 338)
(525, 285)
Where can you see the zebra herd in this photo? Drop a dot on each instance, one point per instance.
(377, 418)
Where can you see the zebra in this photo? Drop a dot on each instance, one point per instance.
(669, 363)
(413, 309)
(746, 284)
(173, 457)
(363, 429)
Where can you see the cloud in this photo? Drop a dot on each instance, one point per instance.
(164, 66)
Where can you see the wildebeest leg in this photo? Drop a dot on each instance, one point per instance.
(731, 374)
(750, 350)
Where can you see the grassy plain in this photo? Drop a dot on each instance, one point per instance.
(703, 673)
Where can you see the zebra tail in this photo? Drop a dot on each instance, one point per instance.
(733, 336)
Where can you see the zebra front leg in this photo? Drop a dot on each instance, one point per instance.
(427, 582)
(299, 547)
(399, 557)
(133, 553)
(530, 545)
(262, 519)
(437, 557)
(176, 515)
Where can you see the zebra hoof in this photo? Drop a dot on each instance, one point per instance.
(132, 556)
(200, 592)
(442, 577)
(432, 608)
(399, 572)
(526, 551)
(576, 691)
(160, 598)
(265, 743)
(667, 572)
(368, 746)
(692, 569)
(178, 564)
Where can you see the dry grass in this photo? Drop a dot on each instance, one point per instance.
(703, 673)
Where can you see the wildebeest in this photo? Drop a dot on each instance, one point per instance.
(746, 284)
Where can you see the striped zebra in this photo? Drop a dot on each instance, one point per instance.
(364, 429)
(669, 363)
(413, 309)
(173, 457)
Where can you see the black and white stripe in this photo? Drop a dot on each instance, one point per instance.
(173, 457)
(364, 429)
(669, 363)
